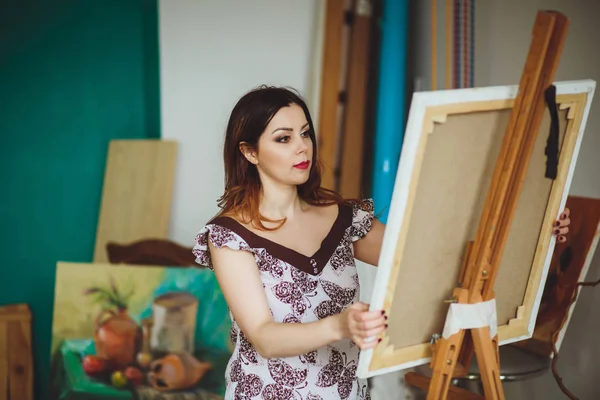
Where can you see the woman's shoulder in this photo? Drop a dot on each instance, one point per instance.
(357, 207)
(355, 214)
(364, 204)
(362, 214)
(221, 231)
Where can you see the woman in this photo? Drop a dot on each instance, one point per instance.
(283, 250)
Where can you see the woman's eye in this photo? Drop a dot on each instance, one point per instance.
(283, 139)
(305, 134)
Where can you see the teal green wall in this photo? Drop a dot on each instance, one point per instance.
(73, 75)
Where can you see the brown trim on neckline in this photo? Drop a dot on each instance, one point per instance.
(312, 265)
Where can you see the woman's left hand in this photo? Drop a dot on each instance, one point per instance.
(561, 226)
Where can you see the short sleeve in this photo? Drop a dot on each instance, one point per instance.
(362, 218)
(219, 236)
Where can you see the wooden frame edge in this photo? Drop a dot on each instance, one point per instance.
(541, 262)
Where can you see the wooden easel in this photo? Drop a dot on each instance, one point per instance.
(452, 356)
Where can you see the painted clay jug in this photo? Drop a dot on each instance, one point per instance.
(176, 372)
(116, 336)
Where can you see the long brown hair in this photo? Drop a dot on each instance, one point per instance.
(248, 120)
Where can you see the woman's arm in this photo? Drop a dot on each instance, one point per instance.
(239, 279)
(368, 248)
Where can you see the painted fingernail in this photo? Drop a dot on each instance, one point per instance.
(386, 317)
(557, 223)
(379, 340)
(386, 325)
(556, 231)
(382, 312)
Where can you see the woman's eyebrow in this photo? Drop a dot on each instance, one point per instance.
(289, 129)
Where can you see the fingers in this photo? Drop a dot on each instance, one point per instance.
(365, 326)
(561, 231)
(366, 344)
(360, 306)
(561, 226)
(368, 316)
(562, 222)
(369, 329)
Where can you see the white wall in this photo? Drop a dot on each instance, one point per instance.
(211, 53)
(503, 33)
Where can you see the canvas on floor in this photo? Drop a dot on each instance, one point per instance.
(138, 332)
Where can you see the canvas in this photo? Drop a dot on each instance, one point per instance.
(449, 153)
(138, 332)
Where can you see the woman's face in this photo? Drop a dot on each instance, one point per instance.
(285, 149)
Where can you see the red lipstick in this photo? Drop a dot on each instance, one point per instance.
(302, 165)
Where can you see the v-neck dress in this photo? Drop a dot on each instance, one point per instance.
(299, 289)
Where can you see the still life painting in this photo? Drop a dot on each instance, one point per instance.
(138, 332)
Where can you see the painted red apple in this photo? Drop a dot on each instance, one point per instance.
(94, 365)
(134, 375)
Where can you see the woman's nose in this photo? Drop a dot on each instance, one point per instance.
(302, 145)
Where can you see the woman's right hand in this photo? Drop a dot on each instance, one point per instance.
(361, 325)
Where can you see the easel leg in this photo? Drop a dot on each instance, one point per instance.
(488, 360)
(445, 358)
(443, 369)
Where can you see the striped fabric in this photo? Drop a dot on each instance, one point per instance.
(463, 43)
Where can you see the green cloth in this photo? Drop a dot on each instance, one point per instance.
(75, 384)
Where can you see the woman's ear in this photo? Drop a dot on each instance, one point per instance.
(249, 152)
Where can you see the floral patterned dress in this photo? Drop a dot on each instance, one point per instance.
(299, 289)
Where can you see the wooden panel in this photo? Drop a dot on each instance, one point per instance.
(353, 132)
(137, 193)
(330, 89)
(16, 359)
(451, 147)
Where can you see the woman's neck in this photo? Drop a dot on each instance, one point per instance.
(278, 203)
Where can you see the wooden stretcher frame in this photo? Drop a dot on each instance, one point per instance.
(428, 110)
